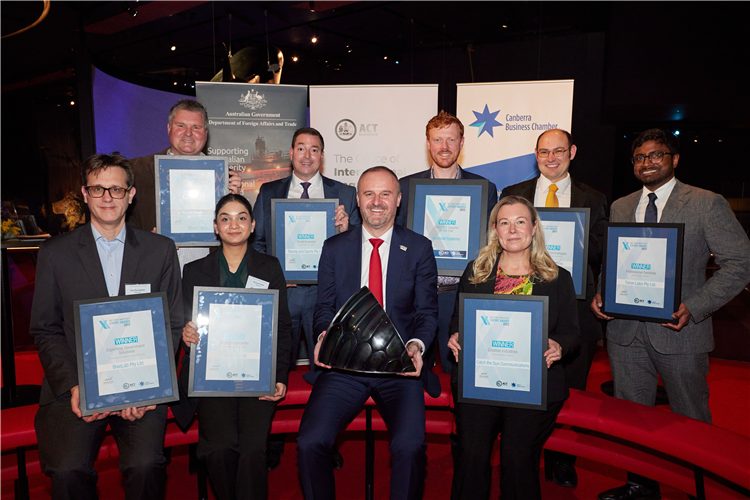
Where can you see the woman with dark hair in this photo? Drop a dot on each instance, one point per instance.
(233, 431)
(514, 262)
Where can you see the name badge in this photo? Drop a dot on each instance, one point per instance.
(253, 282)
(137, 289)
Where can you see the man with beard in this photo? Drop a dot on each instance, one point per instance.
(400, 269)
(445, 139)
(641, 352)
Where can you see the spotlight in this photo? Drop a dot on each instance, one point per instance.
(676, 132)
(175, 83)
(132, 11)
(73, 103)
(173, 48)
(385, 57)
(295, 58)
(314, 39)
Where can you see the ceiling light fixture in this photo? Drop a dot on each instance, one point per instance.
(295, 58)
(314, 39)
(173, 48)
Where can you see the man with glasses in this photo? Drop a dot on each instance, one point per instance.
(555, 188)
(640, 352)
(104, 258)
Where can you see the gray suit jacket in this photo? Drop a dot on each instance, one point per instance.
(68, 269)
(710, 227)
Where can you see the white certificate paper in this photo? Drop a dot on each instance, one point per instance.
(560, 239)
(234, 342)
(192, 201)
(446, 224)
(125, 353)
(503, 350)
(304, 234)
(641, 270)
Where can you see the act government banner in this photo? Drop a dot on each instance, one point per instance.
(253, 125)
(368, 125)
(502, 122)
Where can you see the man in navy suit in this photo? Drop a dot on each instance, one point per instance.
(445, 139)
(305, 182)
(403, 265)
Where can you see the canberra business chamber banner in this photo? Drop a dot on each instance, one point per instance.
(502, 122)
(368, 125)
(253, 125)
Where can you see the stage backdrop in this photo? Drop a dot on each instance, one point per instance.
(502, 122)
(129, 118)
(368, 125)
(253, 125)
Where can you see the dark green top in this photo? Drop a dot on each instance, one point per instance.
(229, 279)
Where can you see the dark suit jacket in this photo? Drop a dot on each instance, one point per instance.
(142, 213)
(410, 289)
(68, 269)
(403, 183)
(710, 228)
(563, 320)
(581, 196)
(346, 195)
(205, 272)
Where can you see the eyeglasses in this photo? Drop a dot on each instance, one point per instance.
(115, 192)
(653, 156)
(544, 153)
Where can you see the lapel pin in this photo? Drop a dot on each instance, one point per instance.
(402, 247)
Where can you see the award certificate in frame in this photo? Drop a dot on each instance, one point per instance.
(503, 339)
(566, 234)
(187, 190)
(236, 355)
(642, 271)
(298, 229)
(125, 352)
(453, 216)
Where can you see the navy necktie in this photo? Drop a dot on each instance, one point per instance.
(305, 195)
(652, 215)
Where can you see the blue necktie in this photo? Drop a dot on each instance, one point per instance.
(652, 215)
(305, 195)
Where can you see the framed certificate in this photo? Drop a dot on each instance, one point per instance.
(566, 234)
(125, 352)
(298, 229)
(642, 271)
(187, 189)
(503, 339)
(236, 355)
(453, 216)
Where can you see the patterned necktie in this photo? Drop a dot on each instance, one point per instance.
(552, 197)
(652, 215)
(305, 195)
(376, 271)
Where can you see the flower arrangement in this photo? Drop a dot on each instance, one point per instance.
(9, 229)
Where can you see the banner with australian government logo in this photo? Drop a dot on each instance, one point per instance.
(502, 122)
(253, 125)
(368, 125)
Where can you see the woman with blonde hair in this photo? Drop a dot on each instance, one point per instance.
(515, 262)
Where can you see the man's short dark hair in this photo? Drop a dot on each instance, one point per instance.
(567, 134)
(189, 105)
(658, 135)
(308, 131)
(99, 162)
(380, 168)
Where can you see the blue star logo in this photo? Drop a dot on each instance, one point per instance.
(486, 121)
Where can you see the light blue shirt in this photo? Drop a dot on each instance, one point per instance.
(110, 255)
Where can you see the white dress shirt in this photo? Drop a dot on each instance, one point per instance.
(662, 195)
(314, 190)
(563, 191)
(385, 251)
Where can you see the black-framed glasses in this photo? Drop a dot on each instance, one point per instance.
(653, 156)
(544, 153)
(115, 192)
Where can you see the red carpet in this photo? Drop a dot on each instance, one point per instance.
(729, 382)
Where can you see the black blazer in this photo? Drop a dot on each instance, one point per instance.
(346, 195)
(563, 320)
(581, 196)
(205, 272)
(403, 210)
(68, 269)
